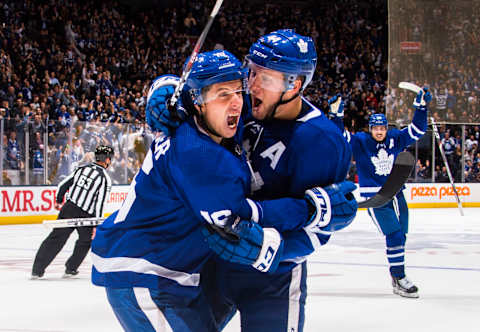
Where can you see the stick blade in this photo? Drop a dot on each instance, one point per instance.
(398, 176)
(409, 86)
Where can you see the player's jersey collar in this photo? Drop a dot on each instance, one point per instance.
(309, 111)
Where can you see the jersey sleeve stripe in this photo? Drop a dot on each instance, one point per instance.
(140, 265)
(255, 211)
(416, 129)
(369, 189)
(347, 135)
(411, 133)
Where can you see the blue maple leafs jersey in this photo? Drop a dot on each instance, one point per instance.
(375, 160)
(155, 239)
(289, 157)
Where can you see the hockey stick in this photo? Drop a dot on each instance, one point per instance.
(401, 170)
(444, 157)
(409, 86)
(227, 232)
(193, 57)
(74, 222)
(417, 89)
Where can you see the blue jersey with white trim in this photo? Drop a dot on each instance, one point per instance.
(374, 160)
(289, 157)
(155, 239)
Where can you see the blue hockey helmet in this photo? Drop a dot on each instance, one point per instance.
(377, 119)
(287, 52)
(213, 67)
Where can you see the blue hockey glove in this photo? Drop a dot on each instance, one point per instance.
(422, 99)
(256, 246)
(159, 115)
(336, 106)
(335, 207)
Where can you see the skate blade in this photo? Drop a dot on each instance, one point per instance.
(405, 294)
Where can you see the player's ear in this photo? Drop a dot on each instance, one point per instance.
(297, 85)
(198, 108)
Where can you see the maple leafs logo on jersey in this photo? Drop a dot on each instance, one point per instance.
(383, 162)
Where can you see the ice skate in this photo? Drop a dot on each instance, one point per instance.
(404, 287)
(70, 273)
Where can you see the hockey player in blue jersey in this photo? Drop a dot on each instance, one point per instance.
(375, 153)
(149, 254)
(292, 146)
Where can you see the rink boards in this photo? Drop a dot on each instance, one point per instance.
(33, 204)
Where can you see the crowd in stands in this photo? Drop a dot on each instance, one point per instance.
(74, 74)
(446, 33)
(451, 142)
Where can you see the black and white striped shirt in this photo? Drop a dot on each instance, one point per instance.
(88, 188)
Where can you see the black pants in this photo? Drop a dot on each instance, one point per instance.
(55, 241)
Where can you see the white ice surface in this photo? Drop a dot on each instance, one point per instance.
(348, 286)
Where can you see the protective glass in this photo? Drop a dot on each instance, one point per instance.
(225, 95)
(272, 80)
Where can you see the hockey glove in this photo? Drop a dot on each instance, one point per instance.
(336, 106)
(256, 246)
(335, 207)
(159, 115)
(422, 99)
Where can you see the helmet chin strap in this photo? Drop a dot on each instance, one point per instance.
(228, 143)
(283, 102)
(202, 122)
(279, 103)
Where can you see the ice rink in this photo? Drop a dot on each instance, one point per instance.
(349, 288)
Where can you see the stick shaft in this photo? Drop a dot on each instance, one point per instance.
(74, 222)
(445, 161)
(196, 50)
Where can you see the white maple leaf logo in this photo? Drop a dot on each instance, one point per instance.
(303, 46)
(383, 162)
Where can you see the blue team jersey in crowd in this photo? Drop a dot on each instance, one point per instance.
(155, 239)
(375, 160)
(289, 157)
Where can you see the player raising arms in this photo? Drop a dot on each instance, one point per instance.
(292, 146)
(149, 254)
(375, 153)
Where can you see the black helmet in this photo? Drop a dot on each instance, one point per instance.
(102, 152)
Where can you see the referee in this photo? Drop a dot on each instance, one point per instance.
(88, 188)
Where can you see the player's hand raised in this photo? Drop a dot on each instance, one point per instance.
(422, 99)
(159, 115)
(336, 106)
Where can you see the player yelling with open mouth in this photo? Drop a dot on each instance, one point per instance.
(150, 253)
(218, 105)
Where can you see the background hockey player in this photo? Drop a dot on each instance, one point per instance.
(88, 188)
(149, 254)
(292, 146)
(375, 153)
